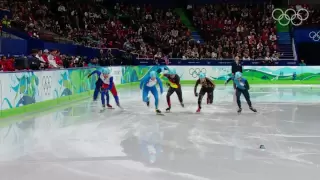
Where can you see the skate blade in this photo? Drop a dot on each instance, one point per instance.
(102, 110)
(160, 114)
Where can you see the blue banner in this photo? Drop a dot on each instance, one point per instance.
(307, 35)
(11, 47)
(213, 62)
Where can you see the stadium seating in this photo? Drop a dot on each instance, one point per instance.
(236, 29)
(216, 31)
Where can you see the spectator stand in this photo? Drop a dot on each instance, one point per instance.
(150, 32)
(46, 59)
(213, 62)
(232, 30)
(79, 23)
(153, 30)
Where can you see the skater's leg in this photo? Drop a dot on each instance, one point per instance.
(115, 94)
(238, 94)
(179, 94)
(247, 97)
(169, 93)
(154, 92)
(96, 93)
(108, 98)
(145, 98)
(201, 94)
(103, 100)
(210, 95)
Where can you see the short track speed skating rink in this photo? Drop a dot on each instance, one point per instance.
(80, 143)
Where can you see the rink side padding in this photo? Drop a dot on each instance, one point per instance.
(39, 91)
(44, 107)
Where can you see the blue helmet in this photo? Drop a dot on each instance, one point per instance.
(106, 71)
(238, 75)
(153, 74)
(202, 75)
(172, 72)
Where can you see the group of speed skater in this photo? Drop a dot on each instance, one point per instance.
(148, 83)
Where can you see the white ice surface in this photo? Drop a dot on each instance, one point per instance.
(80, 143)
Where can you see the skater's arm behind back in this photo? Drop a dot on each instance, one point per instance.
(228, 80)
(94, 72)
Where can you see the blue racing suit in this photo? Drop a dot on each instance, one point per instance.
(148, 85)
(98, 84)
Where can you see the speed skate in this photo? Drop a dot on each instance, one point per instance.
(106, 108)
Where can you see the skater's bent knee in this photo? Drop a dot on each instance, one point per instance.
(145, 99)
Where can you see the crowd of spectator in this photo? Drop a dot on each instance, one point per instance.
(156, 31)
(39, 59)
(151, 31)
(82, 23)
(228, 30)
(314, 14)
(53, 59)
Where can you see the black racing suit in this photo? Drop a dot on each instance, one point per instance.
(207, 87)
(243, 90)
(175, 81)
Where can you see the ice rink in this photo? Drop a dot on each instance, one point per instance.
(78, 142)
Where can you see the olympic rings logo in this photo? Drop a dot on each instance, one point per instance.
(315, 36)
(46, 85)
(290, 16)
(195, 72)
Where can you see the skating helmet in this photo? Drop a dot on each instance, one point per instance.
(238, 75)
(172, 72)
(202, 75)
(153, 74)
(106, 71)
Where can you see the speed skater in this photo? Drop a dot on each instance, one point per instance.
(242, 87)
(174, 86)
(148, 84)
(207, 87)
(98, 84)
(108, 85)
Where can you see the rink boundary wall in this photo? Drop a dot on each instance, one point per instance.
(50, 105)
(26, 92)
